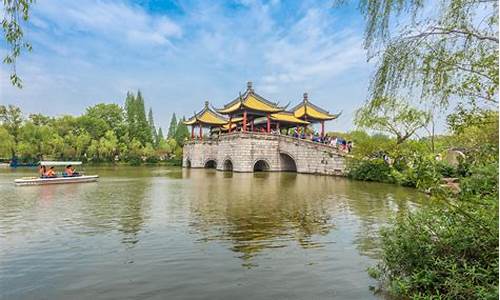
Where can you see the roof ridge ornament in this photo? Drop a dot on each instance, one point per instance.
(306, 97)
(206, 103)
(249, 86)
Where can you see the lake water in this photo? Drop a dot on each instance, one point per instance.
(171, 233)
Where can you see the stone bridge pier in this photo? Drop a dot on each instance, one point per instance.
(250, 152)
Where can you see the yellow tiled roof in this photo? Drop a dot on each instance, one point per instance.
(230, 109)
(250, 100)
(287, 117)
(311, 111)
(207, 117)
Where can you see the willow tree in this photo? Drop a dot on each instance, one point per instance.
(392, 116)
(444, 54)
(14, 13)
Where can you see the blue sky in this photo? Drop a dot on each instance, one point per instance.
(181, 53)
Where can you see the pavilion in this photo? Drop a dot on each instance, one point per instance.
(251, 112)
(250, 106)
(207, 117)
(312, 113)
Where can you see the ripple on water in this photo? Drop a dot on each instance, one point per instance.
(173, 233)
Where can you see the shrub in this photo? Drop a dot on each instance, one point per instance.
(448, 249)
(371, 170)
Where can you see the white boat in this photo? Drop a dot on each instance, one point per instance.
(59, 179)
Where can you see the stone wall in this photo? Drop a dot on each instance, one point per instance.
(241, 152)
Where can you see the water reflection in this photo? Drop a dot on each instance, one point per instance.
(306, 236)
(262, 211)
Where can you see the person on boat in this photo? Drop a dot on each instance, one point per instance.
(68, 171)
(42, 171)
(73, 172)
(51, 173)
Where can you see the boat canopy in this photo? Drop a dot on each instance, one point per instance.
(59, 163)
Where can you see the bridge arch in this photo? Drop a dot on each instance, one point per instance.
(227, 165)
(287, 162)
(210, 164)
(187, 163)
(261, 165)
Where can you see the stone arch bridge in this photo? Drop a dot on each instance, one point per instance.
(250, 151)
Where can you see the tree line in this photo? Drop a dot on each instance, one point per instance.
(104, 133)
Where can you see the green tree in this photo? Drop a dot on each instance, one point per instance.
(14, 13)
(136, 118)
(56, 143)
(35, 141)
(7, 143)
(82, 141)
(144, 130)
(93, 150)
(173, 127)
(134, 154)
(11, 119)
(130, 111)
(159, 135)
(108, 146)
(94, 126)
(392, 116)
(181, 132)
(112, 115)
(151, 123)
(39, 119)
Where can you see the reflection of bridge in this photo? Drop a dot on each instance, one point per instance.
(249, 152)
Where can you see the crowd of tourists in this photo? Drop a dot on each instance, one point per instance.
(332, 140)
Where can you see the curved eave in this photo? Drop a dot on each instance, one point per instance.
(252, 101)
(230, 108)
(313, 114)
(207, 117)
(190, 121)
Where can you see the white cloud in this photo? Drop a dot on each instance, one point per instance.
(114, 20)
(90, 51)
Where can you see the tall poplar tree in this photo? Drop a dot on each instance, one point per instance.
(173, 127)
(130, 111)
(143, 129)
(181, 132)
(152, 127)
(159, 135)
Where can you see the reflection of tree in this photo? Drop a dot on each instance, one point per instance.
(376, 204)
(259, 211)
(130, 213)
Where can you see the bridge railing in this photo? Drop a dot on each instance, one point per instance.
(262, 135)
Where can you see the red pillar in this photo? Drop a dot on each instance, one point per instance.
(322, 128)
(268, 123)
(192, 132)
(201, 132)
(244, 121)
(230, 123)
(251, 126)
